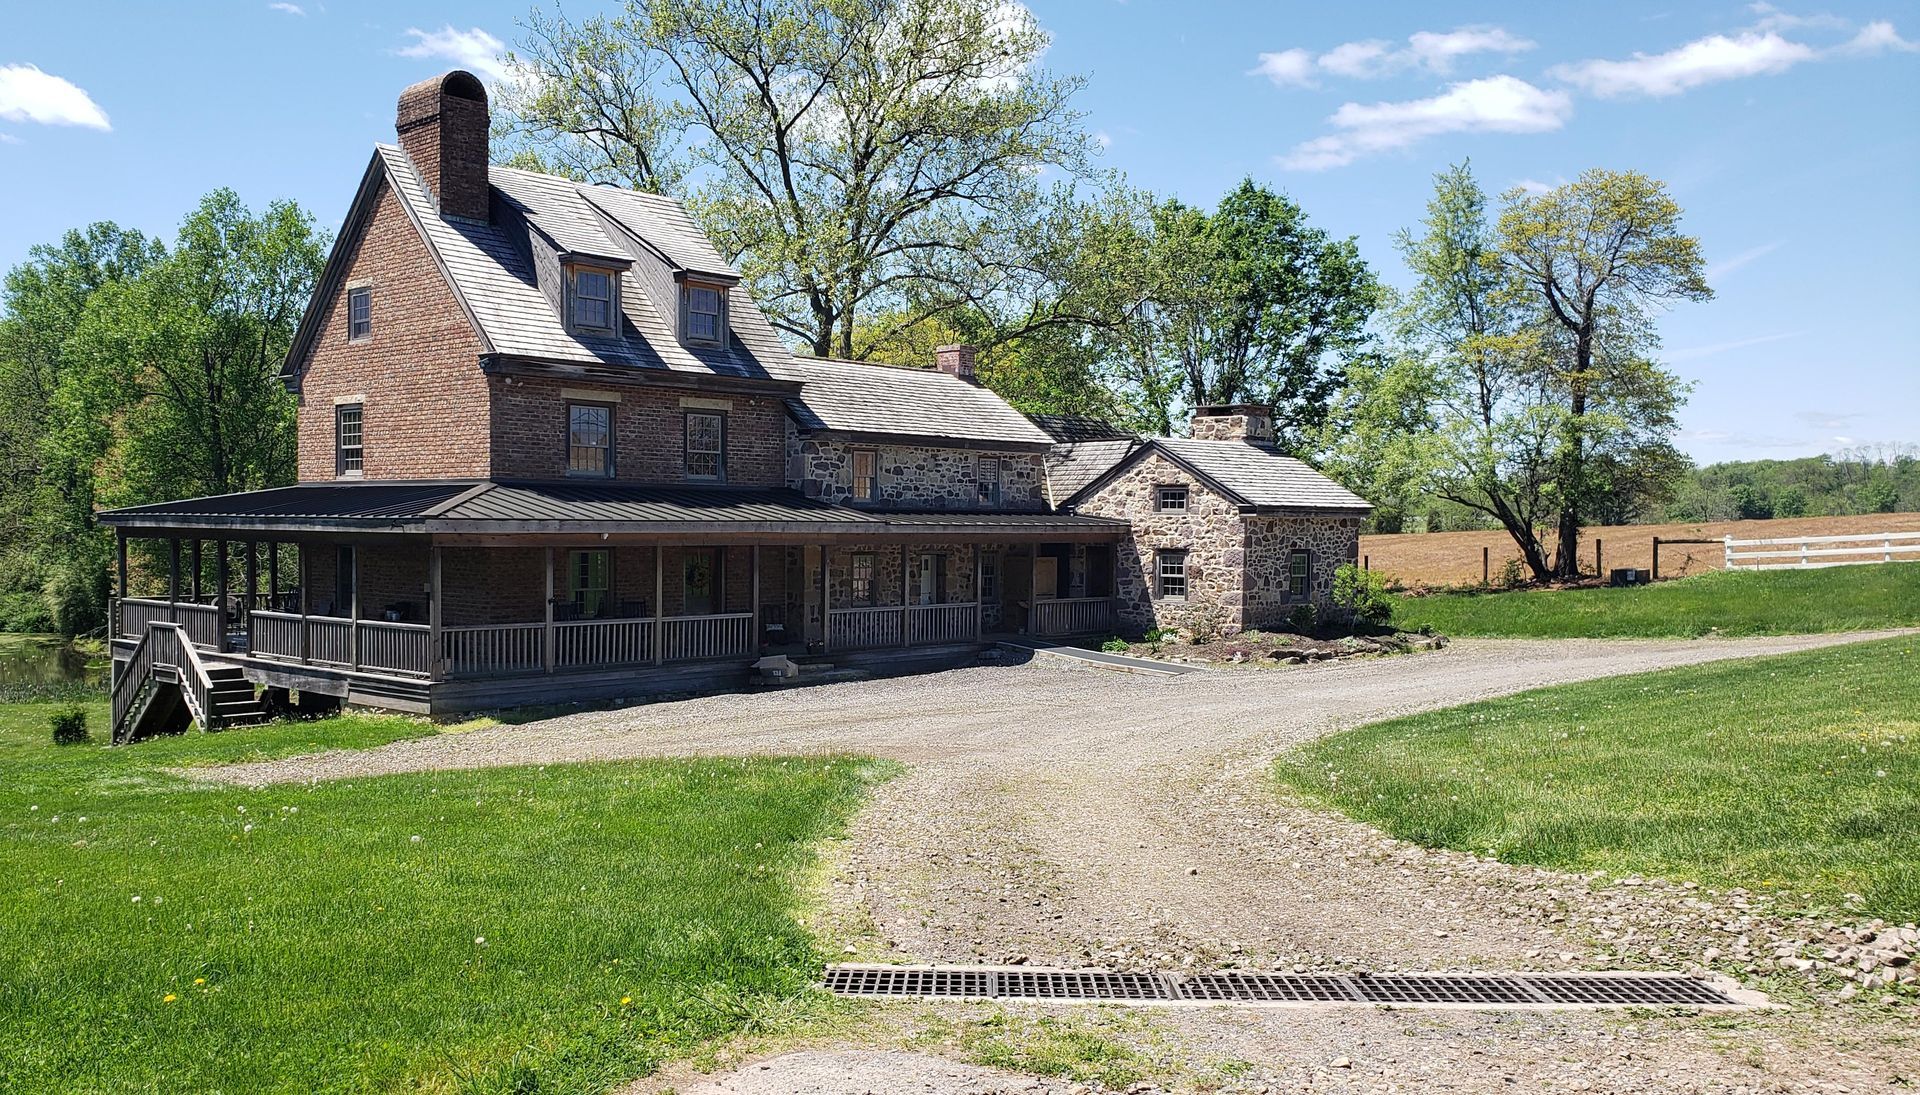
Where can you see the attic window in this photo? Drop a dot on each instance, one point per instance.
(706, 314)
(590, 292)
(359, 313)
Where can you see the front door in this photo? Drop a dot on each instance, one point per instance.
(1046, 577)
(703, 582)
(1099, 570)
(926, 583)
(1017, 569)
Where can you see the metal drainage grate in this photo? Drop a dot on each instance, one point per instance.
(1250, 987)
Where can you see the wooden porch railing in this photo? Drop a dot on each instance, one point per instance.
(201, 622)
(395, 648)
(129, 683)
(328, 640)
(688, 638)
(1072, 616)
(951, 623)
(579, 643)
(864, 628)
(486, 649)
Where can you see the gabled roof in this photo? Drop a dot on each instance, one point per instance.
(1074, 428)
(893, 401)
(1251, 474)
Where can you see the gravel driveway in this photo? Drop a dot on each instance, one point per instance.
(1065, 816)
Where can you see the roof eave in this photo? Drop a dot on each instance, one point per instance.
(638, 376)
(925, 440)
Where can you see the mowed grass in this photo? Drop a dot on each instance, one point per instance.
(525, 929)
(1769, 602)
(1797, 774)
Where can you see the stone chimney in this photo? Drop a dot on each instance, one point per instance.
(956, 360)
(1233, 422)
(442, 124)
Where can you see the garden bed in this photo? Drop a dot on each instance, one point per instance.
(1261, 648)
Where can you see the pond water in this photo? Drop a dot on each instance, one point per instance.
(33, 665)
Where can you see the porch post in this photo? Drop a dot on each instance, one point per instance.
(659, 605)
(433, 613)
(306, 634)
(353, 628)
(978, 606)
(546, 641)
(273, 575)
(120, 565)
(253, 574)
(173, 579)
(906, 617)
(826, 598)
(755, 641)
(193, 580)
(220, 595)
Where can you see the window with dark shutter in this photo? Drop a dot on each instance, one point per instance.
(349, 450)
(706, 446)
(359, 313)
(1170, 572)
(589, 439)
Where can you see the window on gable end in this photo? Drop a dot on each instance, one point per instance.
(359, 313)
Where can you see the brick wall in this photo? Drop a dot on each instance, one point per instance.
(421, 346)
(649, 425)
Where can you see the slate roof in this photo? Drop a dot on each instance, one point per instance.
(480, 505)
(1252, 474)
(1070, 468)
(859, 397)
(1074, 428)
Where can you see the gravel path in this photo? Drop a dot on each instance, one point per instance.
(1063, 816)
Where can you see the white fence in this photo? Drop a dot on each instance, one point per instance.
(1822, 551)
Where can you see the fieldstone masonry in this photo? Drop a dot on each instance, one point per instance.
(914, 476)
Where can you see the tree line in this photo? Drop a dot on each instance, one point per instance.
(890, 175)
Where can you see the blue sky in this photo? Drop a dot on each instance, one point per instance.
(1788, 133)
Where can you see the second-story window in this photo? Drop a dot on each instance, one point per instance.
(706, 316)
(589, 439)
(349, 450)
(866, 475)
(987, 478)
(359, 313)
(592, 295)
(706, 446)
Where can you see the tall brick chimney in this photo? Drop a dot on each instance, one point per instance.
(442, 124)
(956, 360)
(1233, 422)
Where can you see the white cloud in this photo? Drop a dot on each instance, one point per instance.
(1827, 420)
(1495, 104)
(1288, 67)
(473, 49)
(1103, 139)
(1693, 353)
(1721, 269)
(29, 95)
(1877, 37)
(1703, 61)
(1426, 51)
(1772, 18)
(8, 138)
(287, 9)
(1536, 187)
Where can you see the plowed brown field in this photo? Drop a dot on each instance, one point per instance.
(1453, 558)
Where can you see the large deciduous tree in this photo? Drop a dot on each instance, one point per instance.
(859, 159)
(1595, 257)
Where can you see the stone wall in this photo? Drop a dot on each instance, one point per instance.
(1271, 540)
(1210, 530)
(914, 476)
(957, 560)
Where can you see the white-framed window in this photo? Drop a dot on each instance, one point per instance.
(1170, 574)
(987, 480)
(706, 445)
(989, 576)
(359, 313)
(1170, 499)
(706, 314)
(349, 439)
(589, 576)
(591, 296)
(589, 439)
(866, 475)
(1299, 573)
(862, 578)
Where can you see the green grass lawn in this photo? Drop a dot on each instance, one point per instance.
(529, 929)
(1797, 774)
(1771, 602)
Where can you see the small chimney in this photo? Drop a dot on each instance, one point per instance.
(442, 124)
(1233, 422)
(956, 360)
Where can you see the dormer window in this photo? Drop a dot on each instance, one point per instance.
(591, 302)
(705, 313)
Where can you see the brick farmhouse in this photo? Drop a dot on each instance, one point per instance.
(550, 448)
